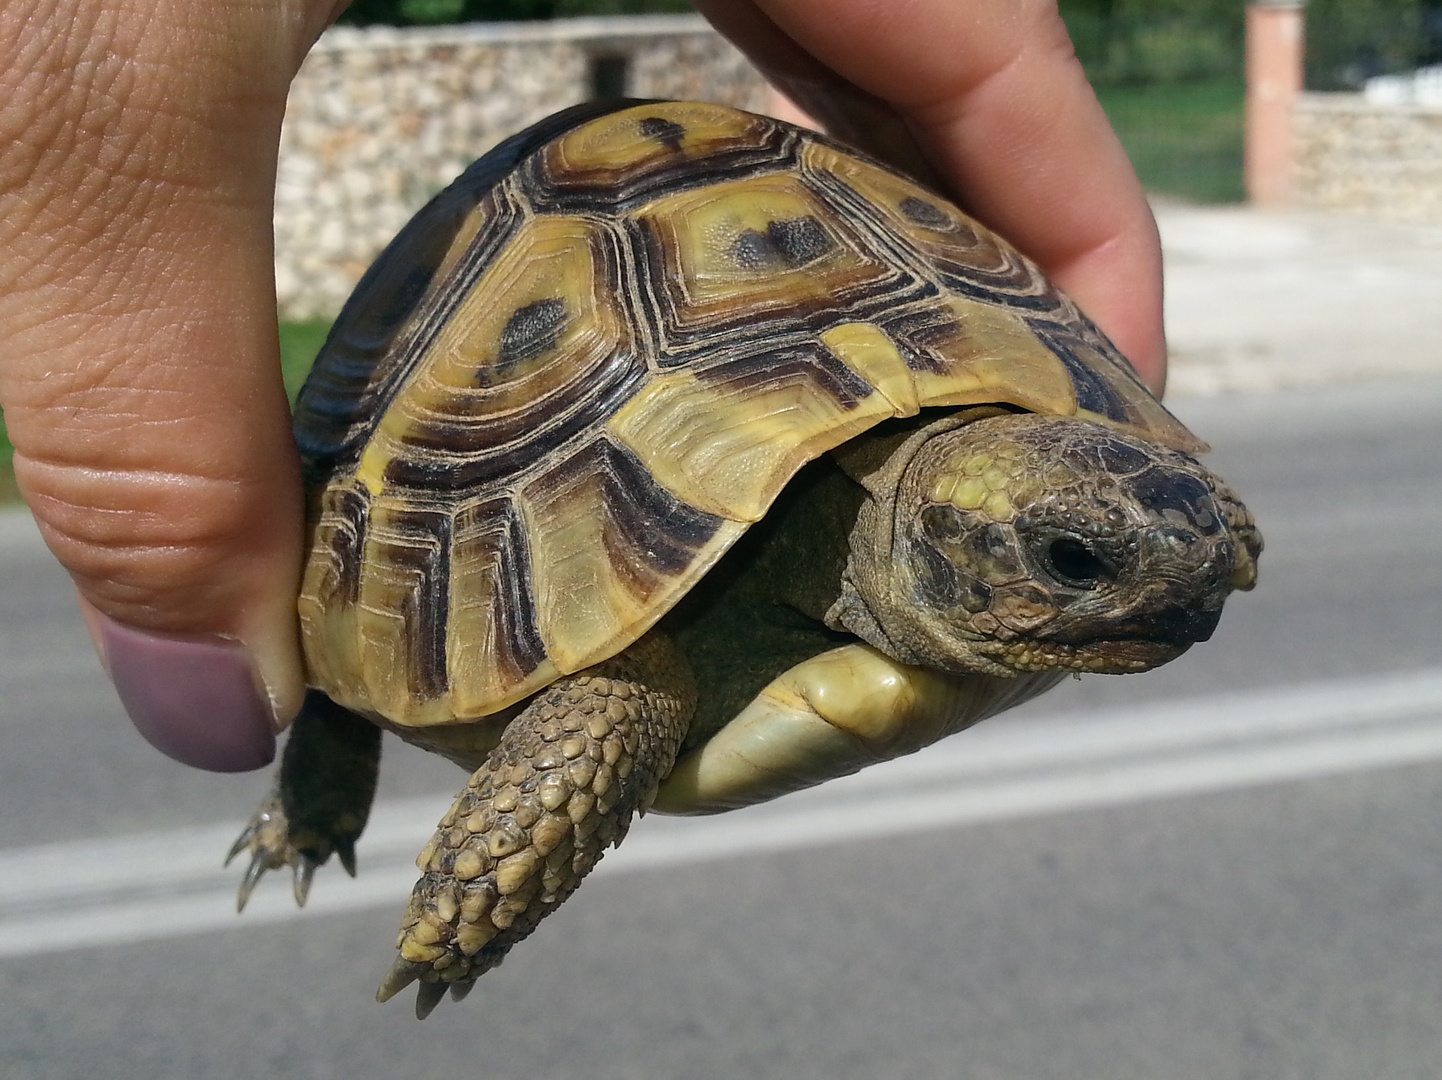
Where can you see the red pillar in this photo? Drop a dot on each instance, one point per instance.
(1274, 80)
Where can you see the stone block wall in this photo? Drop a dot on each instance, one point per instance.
(380, 119)
(1365, 157)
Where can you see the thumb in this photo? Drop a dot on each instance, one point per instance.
(139, 369)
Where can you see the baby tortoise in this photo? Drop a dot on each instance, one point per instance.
(677, 458)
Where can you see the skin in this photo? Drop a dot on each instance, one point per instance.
(139, 370)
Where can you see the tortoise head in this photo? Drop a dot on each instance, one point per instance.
(1031, 543)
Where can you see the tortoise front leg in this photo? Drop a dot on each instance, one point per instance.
(321, 798)
(565, 780)
(831, 716)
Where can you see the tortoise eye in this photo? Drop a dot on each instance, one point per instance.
(1076, 564)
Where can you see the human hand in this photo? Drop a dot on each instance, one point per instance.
(992, 95)
(139, 368)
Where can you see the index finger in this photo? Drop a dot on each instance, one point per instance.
(993, 96)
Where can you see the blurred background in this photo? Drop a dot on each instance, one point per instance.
(1230, 867)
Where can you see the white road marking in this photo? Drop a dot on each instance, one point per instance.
(168, 884)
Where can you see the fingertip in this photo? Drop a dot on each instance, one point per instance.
(1119, 285)
(196, 700)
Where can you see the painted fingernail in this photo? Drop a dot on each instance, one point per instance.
(196, 701)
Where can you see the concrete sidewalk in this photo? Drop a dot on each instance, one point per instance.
(1270, 300)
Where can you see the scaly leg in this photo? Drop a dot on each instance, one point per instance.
(321, 799)
(570, 771)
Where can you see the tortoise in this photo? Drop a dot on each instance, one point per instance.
(676, 458)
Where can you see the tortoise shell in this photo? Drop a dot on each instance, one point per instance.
(583, 369)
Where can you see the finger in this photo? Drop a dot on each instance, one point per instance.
(996, 100)
(139, 368)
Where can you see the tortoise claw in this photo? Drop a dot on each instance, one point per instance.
(241, 843)
(258, 866)
(428, 996)
(304, 875)
(265, 838)
(345, 851)
(402, 973)
(459, 990)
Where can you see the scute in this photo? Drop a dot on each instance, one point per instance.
(976, 263)
(380, 333)
(759, 251)
(588, 366)
(617, 157)
(384, 328)
(536, 351)
(727, 440)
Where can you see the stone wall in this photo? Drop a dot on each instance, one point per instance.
(381, 119)
(1365, 157)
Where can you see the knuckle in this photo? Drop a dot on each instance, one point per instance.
(157, 547)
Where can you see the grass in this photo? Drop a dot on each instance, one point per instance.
(1185, 139)
(8, 491)
(299, 342)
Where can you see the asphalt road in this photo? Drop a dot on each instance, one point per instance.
(1227, 868)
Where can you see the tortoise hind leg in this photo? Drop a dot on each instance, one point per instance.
(561, 786)
(321, 798)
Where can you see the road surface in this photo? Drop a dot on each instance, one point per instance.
(1227, 868)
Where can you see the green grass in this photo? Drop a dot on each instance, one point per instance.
(8, 491)
(299, 342)
(1185, 139)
